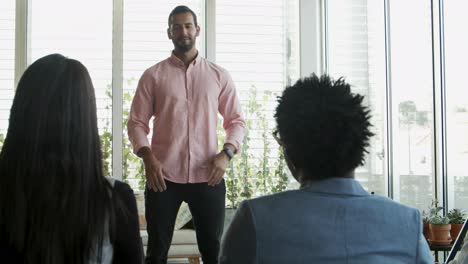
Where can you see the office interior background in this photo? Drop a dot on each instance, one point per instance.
(407, 57)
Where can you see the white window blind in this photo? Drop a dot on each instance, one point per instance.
(257, 41)
(356, 51)
(80, 30)
(7, 61)
(59, 27)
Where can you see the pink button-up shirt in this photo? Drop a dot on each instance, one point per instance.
(185, 103)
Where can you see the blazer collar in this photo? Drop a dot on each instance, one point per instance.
(340, 186)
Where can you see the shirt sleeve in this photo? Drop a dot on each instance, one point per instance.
(230, 109)
(128, 247)
(141, 112)
(239, 243)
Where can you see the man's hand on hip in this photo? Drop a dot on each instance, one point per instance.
(220, 163)
(154, 170)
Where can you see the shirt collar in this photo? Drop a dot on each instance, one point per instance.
(178, 62)
(340, 186)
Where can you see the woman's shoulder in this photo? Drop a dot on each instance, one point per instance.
(122, 195)
(119, 187)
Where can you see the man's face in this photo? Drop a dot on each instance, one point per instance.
(183, 32)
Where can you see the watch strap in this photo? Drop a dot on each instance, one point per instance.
(228, 152)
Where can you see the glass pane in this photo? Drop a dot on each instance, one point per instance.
(7, 63)
(456, 56)
(145, 44)
(257, 41)
(357, 52)
(80, 30)
(412, 102)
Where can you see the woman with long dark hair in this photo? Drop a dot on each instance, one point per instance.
(55, 204)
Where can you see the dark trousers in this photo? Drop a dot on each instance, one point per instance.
(206, 205)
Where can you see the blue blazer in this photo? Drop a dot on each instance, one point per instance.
(329, 221)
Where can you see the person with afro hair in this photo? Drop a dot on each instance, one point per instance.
(324, 130)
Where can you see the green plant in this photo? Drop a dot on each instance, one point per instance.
(231, 180)
(280, 173)
(106, 148)
(270, 181)
(232, 189)
(130, 162)
(240, 172)
(439, 220)
(456, 216)
(433, 209)
(264, 180)
(129, 159)
(425, 217)
(256, 170)
(2, 139)
(434, 216)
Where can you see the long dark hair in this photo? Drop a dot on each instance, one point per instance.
(54, 199)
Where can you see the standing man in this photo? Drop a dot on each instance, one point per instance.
(184, 94)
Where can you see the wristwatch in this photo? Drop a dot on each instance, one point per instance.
(228, 152)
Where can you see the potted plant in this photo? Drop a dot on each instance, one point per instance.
(456, 219)
(425, 219)
(439, 226)
(431, 211)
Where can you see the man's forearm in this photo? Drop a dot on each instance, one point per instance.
(144, 153)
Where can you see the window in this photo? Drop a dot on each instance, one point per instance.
(7, 62)
(85, 38)
(393, 70)
(356, 51)
(257, 41)
(412, 102)
(456, 57)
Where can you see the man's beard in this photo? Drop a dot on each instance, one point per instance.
(183, 45)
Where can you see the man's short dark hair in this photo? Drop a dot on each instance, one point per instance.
(179, 10)
(324, 128)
